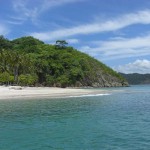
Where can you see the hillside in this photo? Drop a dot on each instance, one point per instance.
(136, 78)
(29, 61)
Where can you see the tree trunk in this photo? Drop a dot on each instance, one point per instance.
(16, 74)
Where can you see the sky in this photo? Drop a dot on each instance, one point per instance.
(116, 32)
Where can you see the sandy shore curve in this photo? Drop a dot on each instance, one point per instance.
(17, 92)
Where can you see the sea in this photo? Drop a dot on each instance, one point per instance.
(118, 120)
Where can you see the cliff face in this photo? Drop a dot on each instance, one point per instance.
(104, 80)
(98, 74)
(109, 81)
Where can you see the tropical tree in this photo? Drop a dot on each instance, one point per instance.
(27, 44)
(4, 43)
(27, 79)
(5, 78)
(61, 44)
(20, 62)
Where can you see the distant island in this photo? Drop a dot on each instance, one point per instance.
(27, 61)
(136, 78)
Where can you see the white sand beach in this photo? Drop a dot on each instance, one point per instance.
(17, 92)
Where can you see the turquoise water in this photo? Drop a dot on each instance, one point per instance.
(120, 121)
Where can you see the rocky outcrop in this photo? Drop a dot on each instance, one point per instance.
(104, 80)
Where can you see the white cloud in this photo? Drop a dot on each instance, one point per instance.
(139, 66)
(15, 20)
(3, 30)
(141, 17)
(23, 11)
(48, 4)
(27, 10)
(72, 41)
(132, 43)
(120, 48)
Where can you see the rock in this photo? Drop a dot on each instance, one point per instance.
(16, 87)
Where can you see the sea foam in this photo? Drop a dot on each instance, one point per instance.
(90, 95)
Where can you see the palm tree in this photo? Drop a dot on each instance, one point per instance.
(5, 44)
(20, 62)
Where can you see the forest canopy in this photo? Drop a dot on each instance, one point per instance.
(29, 61)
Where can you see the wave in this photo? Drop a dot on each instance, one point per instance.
(90, 95)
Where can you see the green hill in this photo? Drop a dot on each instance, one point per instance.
(29, 61)
(136, 78)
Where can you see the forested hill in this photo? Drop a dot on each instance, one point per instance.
(136, 78)
(29, 61)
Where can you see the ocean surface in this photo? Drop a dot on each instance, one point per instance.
(119, 121)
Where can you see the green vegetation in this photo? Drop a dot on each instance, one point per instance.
(29, 61)
(136, 78)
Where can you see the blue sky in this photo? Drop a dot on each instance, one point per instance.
(116, 32)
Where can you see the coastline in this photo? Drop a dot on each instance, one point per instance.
(17, 92)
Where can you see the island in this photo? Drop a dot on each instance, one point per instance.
(27, 61)
(136, 78)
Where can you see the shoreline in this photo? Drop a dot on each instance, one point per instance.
(17, 92)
